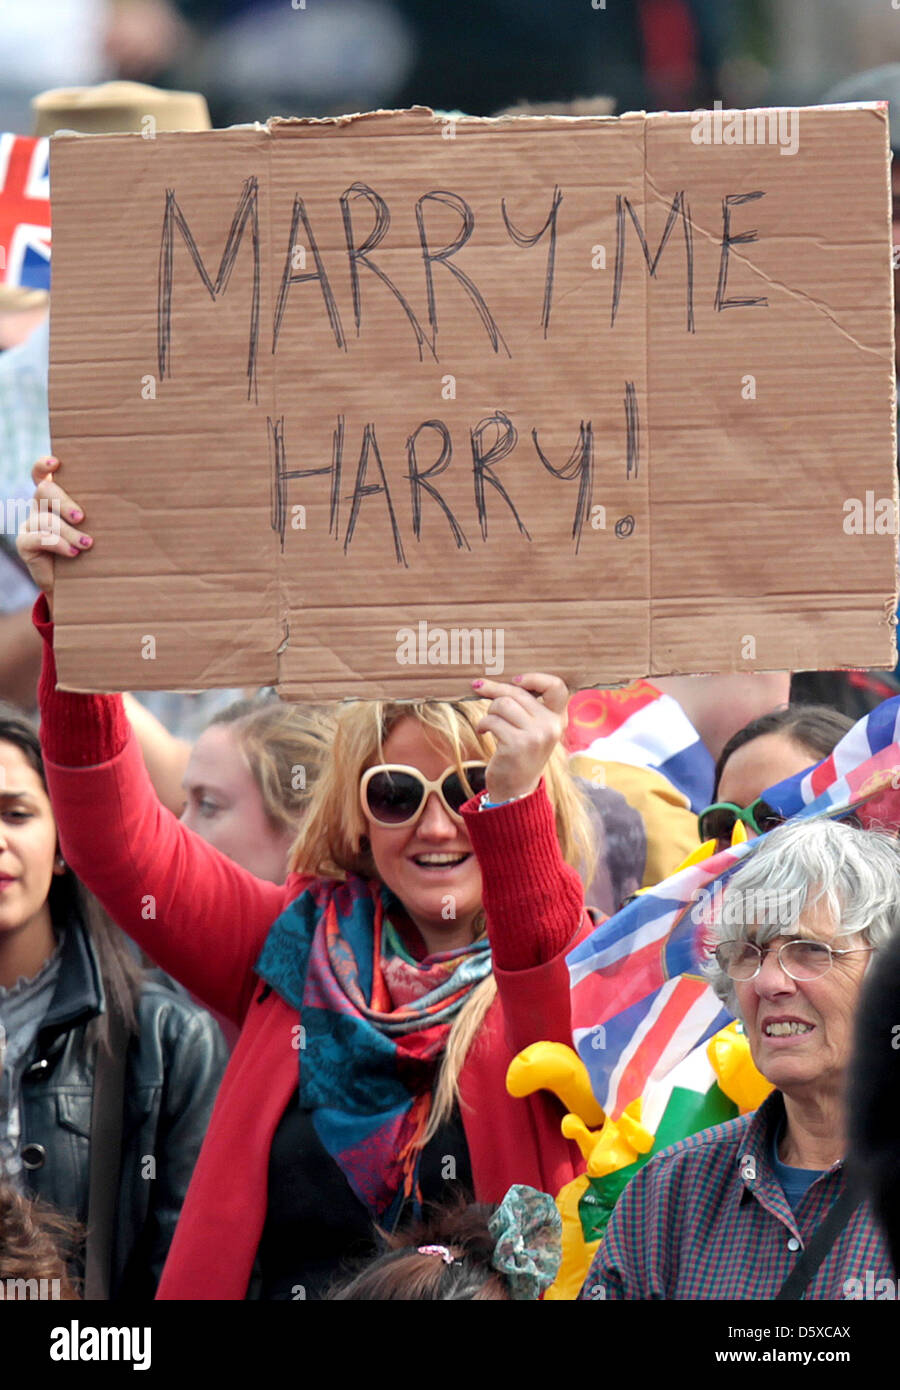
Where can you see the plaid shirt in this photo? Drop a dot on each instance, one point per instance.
(707, 1218)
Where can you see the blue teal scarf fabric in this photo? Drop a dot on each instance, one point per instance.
(374, 1024)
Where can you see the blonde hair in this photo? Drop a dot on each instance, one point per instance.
(332, 842)
(285, 748)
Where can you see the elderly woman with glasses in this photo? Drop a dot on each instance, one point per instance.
(762, 1207)
(418, 944)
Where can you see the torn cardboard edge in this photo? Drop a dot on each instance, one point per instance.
(365, 125)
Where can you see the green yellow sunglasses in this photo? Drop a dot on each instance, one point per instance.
(717, 821)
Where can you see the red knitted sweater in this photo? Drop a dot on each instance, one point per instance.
(204, 920)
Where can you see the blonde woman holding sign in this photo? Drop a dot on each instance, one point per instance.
(418, 944)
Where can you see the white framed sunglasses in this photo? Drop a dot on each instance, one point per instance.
(393, 794)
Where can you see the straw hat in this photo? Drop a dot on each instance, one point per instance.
(107, 109)
(113, 107)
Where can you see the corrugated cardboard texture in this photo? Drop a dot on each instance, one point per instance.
(613, 434)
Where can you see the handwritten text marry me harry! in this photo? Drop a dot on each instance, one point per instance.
(494, 437)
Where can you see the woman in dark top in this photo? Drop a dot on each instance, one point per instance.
(72, 987)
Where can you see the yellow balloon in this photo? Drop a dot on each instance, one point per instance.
(730, 1059)
(576, 1254)
(551, 1066)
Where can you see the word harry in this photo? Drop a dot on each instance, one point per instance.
(770, 127)
(77, 1343)
(429, 453)
(456, 646)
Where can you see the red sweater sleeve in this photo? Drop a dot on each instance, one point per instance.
(198, 914)
(534, 904)
(533, 900)
(76, 730)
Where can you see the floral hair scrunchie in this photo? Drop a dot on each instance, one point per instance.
(527, 1231)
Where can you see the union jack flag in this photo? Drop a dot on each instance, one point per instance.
(641, 726)
(862, 774)
(24, 212)
(639, 1001)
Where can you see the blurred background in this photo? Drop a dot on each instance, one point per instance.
(258, 58)
(252, 59)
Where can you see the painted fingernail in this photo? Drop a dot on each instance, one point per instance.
(518, 680)
(76, 515)
(85, 541)
(73, 550)
(476, 684)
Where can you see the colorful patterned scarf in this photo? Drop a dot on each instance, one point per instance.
(374, 1023)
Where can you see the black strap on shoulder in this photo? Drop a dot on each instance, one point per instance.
(107, 1117)
(821, 1241)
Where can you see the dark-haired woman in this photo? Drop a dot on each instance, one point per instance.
(763, 753)
(110, 1146)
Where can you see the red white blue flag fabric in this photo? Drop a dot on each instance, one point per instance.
(642, 727)
(24, 212)
(862, 773)
(639, 1001)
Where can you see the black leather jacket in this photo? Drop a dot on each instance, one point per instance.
(175, 1064)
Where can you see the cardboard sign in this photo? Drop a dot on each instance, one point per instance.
(368, 406)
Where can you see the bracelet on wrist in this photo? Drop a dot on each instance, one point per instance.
(485, 804)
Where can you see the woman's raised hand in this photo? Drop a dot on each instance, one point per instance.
(527, 718)
(51, 528)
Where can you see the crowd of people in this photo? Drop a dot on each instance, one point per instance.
(267, 971)
(360, 1141)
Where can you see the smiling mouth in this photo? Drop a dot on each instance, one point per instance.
(441, 861)
(787, 1030)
